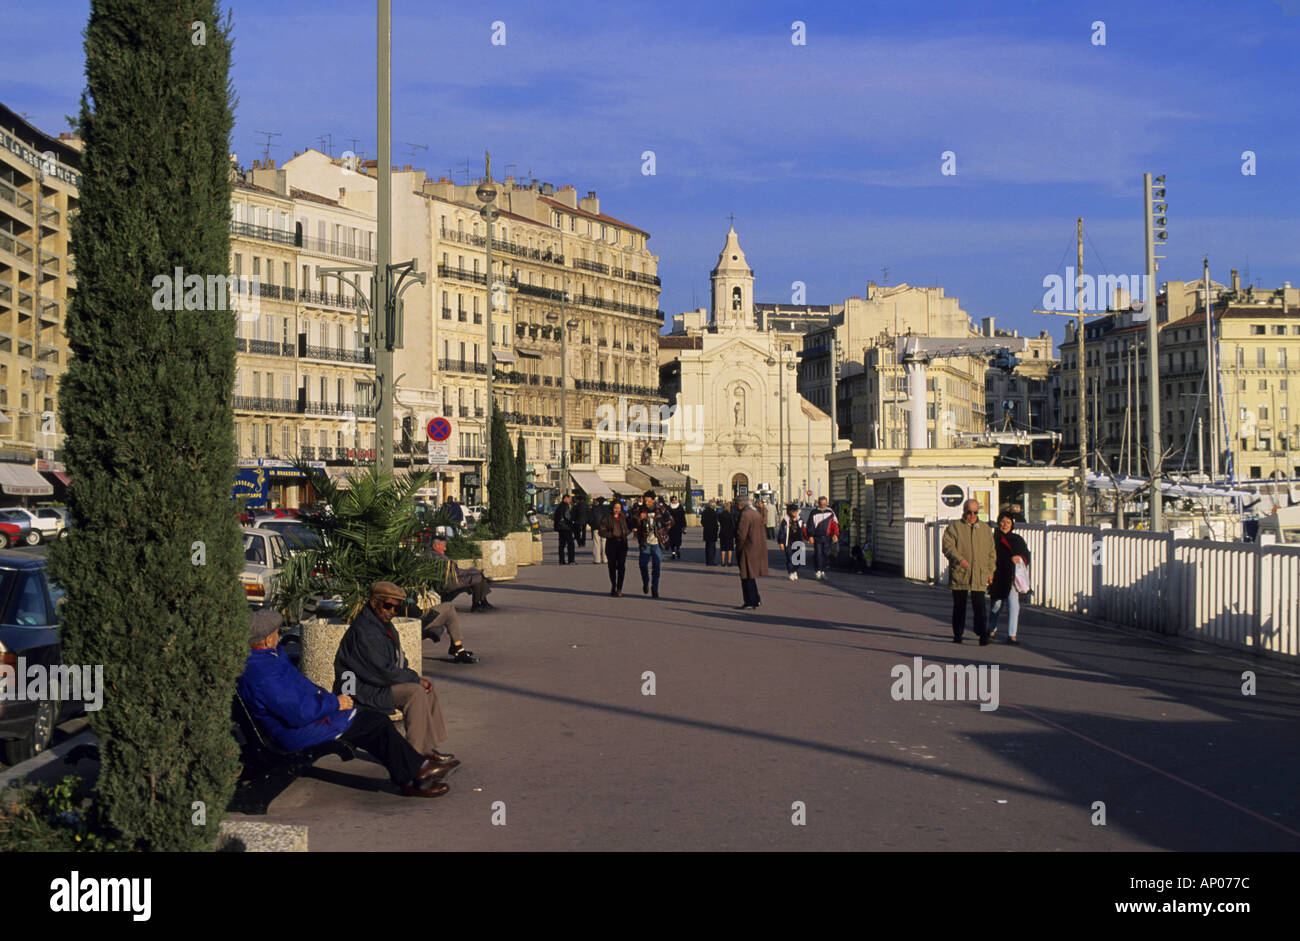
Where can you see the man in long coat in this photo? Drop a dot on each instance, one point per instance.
(751, 553)
(972, 559)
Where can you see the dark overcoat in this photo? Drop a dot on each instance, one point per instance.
(751, 543)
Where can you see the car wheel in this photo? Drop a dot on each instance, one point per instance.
(33, 537)
(37, 740)
(4, 540)
(63, 534)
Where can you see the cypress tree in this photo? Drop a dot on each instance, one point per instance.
(521, 479)
(501, 483)
(152, 560)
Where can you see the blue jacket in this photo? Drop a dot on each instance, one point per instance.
(291, 708)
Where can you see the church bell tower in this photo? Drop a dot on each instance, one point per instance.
(733, 288)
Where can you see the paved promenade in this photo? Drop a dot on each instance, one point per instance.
(754, 711)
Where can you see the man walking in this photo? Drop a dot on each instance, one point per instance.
(709, 520)
(652, 524)
(580, 521)
(564, 526)
(972, 559)
(751, 553)
(825, 532)
(599, 510)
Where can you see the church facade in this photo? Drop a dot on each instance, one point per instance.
(738, 380)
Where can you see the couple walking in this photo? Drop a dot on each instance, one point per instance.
(652, 524)
(980, 560)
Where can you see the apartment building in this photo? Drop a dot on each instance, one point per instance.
(871, 405)
(304, 378)
(1257, 342)
(39, 183)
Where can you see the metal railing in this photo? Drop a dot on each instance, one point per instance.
(596, 266)
(265, 234)
(250, 403)
(337, 248)
(271, 348)
(337, 355)
(1234, 594)
(461, 365)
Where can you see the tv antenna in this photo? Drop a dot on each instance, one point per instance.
(266, 148)
(327, 144)
(412, 148)
(884, 275)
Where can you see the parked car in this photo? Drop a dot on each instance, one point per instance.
(46, 527)
(473, 515)
(299, 537)
(21, 518)
(29, 629)
(57, 514)
(264, 555)
(10, 534)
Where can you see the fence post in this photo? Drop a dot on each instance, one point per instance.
(1258, 600)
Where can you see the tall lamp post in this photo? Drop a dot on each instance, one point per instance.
(1152, 203)
(487, 194)
(565, 327)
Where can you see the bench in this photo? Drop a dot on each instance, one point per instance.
(267, 768)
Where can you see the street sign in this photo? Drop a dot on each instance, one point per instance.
(809, 492)
(439, 453)
(439, 430)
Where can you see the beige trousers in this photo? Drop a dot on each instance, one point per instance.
(423, 715)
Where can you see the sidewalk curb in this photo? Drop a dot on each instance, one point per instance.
(19, 772)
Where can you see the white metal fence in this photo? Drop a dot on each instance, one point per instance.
(1235, 594)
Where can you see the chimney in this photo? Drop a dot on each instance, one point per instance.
(567, 196)
(988, 326)
(1236, 281)
(590, 203)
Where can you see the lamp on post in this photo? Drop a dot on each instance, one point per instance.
(565, 326)
(487, 194)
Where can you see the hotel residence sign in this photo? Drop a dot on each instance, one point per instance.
(50, 167)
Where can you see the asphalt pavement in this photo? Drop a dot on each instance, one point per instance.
(778, 729)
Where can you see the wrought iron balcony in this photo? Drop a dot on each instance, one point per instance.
(337, 248)
(265, 234)
(249, 403)
(596, 266)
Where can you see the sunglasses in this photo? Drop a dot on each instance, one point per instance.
(391, 605)
(972, 513)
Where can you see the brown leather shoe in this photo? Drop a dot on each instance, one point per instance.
(442, 769)
(434, 755)
(433, 790)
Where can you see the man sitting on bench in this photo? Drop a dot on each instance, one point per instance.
(298, 714)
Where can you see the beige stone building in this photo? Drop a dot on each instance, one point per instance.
(548, 245)
(1258, 344)
(39, 181)
(871, 408)
(739, 419)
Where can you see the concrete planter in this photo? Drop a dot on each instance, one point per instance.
(521, 545)
(495, 560)
(320, 644)
(537, 551)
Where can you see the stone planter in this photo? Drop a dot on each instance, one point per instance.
(522, 546)
(537, 551)
(495, 560)
(320, 644)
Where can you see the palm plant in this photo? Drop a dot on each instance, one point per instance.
(372, 535)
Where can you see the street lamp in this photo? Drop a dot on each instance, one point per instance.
(1153, 198)
(565, 327)
(781, 418)
(486, 194)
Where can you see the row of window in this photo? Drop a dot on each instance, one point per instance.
(261, 440)
(263, 385)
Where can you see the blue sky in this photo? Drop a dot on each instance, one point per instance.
(828, 153)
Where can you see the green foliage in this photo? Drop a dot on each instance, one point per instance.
(146, 401)
(55, 818)
(501, 480)
(373, 535)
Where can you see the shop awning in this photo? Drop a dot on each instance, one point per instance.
(23, 480)
(503, 356)
(621, 484)
(592, 484)
(664, 476)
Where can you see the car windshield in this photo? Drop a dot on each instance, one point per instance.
(24, 596)
(298, 537)
(14, 515)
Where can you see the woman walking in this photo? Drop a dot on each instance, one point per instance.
(614, 530)
(726, 533)
(1011, 549)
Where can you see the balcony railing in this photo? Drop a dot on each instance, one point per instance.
(596, 266)
(619, 306)
(336, 355)
(619, 388)
(461, 365)
(248, 230)
(248, 403)
(461, 274)
(642, 278)
(339, 249)
(270, 348)
(331, 300)
(464, 411)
